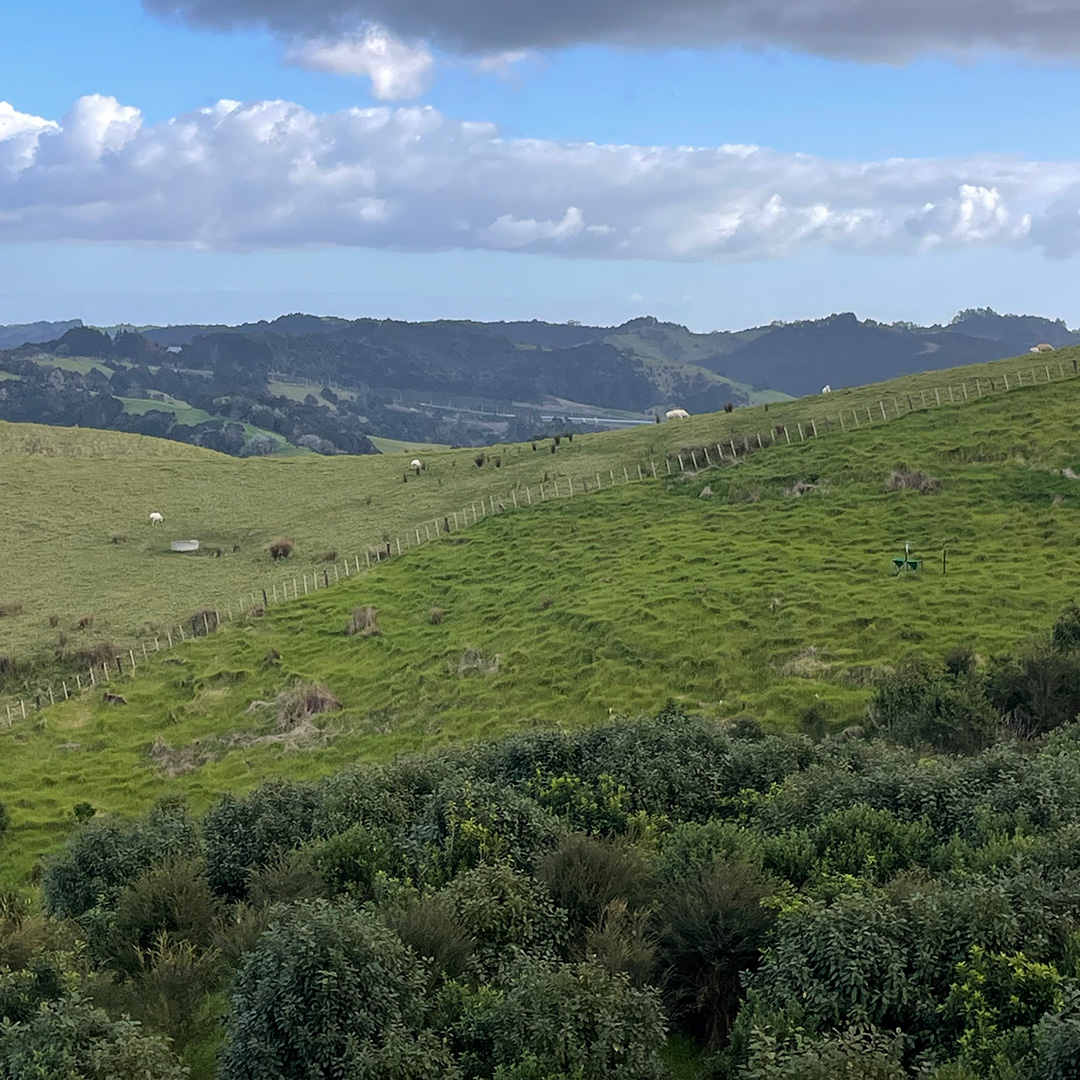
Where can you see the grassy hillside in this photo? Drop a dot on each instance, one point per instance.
(61, 514)
(755, 600)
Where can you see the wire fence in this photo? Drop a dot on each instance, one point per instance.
(119, 665)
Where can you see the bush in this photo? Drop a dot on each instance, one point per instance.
(107, 854)
(364, 621)
(436, 615)
(507, 913)
(320, 991)
(921, 706)
(714, 927)
(247, 833)
(430, 926)
(852, 1054)
(585, 874)
(70, 1038)
(280, 549)
(1037, 691)
(174, 900)
(567, 1022)
(1066, 632)
(204, 621)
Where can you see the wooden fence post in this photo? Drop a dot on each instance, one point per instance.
(639, 476)
(802, 437)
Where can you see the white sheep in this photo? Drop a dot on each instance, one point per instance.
(676, 414)
(826, 389)
(156, 518)
(416, 465)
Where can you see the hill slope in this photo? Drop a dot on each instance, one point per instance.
(757, 600)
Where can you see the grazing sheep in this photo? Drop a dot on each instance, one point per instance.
(1043, 347)
(826, 389)
(416, 464)
(676, 414)
(156, 518)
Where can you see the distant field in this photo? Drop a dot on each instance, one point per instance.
(66, 492)
(397, 446)
(756, 600)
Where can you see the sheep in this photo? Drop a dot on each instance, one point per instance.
(826, 389)
(156, 518)
(676, 414)
(1043, 347)
(416, 465)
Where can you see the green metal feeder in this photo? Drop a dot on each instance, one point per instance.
(905, 564)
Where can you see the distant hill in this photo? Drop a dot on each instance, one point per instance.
(16, 334)
(793, 358)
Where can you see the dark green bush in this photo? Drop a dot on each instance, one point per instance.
(1038, 690)
(319, 994)
(921, 705)
(714, 927)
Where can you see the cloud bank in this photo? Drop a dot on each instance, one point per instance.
(272, 174)
(874, 30)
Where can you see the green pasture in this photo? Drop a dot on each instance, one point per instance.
(67, 493)
(756, 600)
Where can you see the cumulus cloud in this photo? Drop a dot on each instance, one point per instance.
(883, 30)
(273, 174)
(397, 71)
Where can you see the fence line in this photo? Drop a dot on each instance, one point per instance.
(124, 665)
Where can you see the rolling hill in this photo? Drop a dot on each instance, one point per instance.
(774, 596)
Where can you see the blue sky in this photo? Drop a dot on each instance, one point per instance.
(532, 232)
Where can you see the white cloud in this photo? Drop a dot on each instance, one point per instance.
(273, 174)
(397, 71)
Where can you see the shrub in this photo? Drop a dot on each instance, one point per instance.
(851, 1054)
(327, 556)
(507, 913)
(585, 874)
(430, 926)
(104, 652)
(107, 854)
(280, 548)
(1066, 632)
(85, 622)
(1038, 690)
(244, 834)
(173, 899)
(714, 927)
(436, 615)
(288, 1018)
(70, 1038)
(364, 621)
(920, 705)
(623, 941)
(10, 608)
(577, 1022)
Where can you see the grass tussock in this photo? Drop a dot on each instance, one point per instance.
(204, 621)
(104, 652)
(901, 478)
(474, 662)
(301, 702)
(435, 615)
(279, 549)
(10, 608)
(364, 621)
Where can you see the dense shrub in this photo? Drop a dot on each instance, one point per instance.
(921, 705)
(1039, 689)
(319, 995)
(107, 854)
(245, 834)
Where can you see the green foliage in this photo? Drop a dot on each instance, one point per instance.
(324, 989)
(466, 822)
(106, 854)
(69, 1039)
(173, 901)
(714, 928)
(5, 820)
(1039, 689)
(246, 834)
(1066, 632)
(851, 1054)
(585, 874)
(431, 927)
(920, 705)
(573, 1021)
(507, 914)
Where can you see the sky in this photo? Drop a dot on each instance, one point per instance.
(720, 163)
